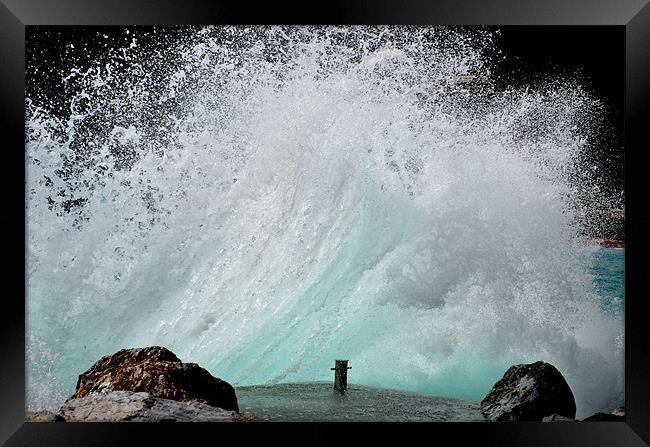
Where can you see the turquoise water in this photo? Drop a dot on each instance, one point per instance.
(314, 402)
(608, 269)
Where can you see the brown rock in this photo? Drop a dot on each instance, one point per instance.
(43, 416)
(246, 417)
(612, 243)
(157, 371)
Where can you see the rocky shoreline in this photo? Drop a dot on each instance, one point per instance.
(129, 406)
(603, 242)
(153, 385)
(611, 243)
(536, 392)
(147, 385)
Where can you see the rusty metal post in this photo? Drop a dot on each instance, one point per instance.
(341, 375)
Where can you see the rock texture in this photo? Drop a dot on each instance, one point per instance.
(600, 417)
(619, 411)
(43, 416)
(529, 392)
(157, 371)
(128, 406)
(556, 418)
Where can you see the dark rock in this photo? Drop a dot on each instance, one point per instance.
(43, 416)
(528, 393)
(601, 417)
(157, 371)
(557, 418)
(128, 406)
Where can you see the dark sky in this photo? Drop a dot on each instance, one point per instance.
(531, 52)
(596, 50)
(597, 53)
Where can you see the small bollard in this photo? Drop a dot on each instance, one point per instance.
(341, 376)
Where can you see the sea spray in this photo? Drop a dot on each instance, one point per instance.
(263, 200)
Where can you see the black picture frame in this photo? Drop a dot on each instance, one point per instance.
(634, 15)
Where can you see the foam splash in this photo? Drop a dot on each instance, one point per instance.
(271, 199)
